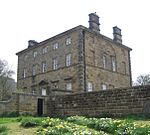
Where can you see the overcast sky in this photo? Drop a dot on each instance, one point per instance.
(23, 20)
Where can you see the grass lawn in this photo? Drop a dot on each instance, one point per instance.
(15, 128)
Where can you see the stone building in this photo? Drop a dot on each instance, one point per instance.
(79, 59)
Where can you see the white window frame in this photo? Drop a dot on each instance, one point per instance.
(68, 41)
(43, 92)
(55, 64)
(44, 67)
(68, 59)
(104, 87)
(69, 86)
(104, 61)
(55, 46)
(24, 72)
(89, 86)
(113, 62)
(45, 50)
(34, 54)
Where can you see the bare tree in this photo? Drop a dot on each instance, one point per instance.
(6, 81)
(143, 80)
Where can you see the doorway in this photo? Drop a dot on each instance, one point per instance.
(40, 106)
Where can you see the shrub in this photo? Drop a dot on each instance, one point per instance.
(31, 122)
(141, 131)
(12, 114)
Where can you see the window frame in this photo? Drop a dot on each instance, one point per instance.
(33, 70)
(69, 86)
(44, 67)
(68, 41)
(55, 64)
(55, 45)
(89, 86)
(104, 61)
(45, 50)
(35, 54)
(24, 72)
(113, 63)
(43, 92)
(104, 86)
(68, 59)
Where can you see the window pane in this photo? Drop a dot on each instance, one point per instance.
(113, 60)
(43, 67)
(104, 61)
(24, 73)
(89, 86)
(104, 87)
(68, 41)
(43, 92)
(55, 46)
(68, 60)
(34, 54)
(45, 50)
(69, 86)
(55, 64)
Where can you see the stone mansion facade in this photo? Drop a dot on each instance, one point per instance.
(79, 59)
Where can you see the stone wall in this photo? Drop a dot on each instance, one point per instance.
(117, 102)
(22, 103)
(101, 72)
(61, 75)
(8, 106)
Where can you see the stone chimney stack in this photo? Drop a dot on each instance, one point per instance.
(32, 43)
(117, 35)
(94, 22)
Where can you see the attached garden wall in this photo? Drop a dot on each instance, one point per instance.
(116, 102)
(22, 103)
